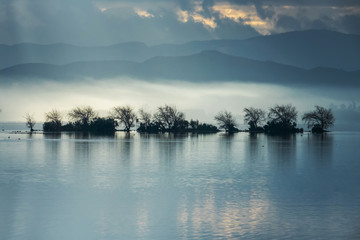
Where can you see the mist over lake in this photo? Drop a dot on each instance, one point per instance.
(198, 100)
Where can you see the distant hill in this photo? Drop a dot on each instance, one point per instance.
(304, 49)
(11, 55)
(207, 66)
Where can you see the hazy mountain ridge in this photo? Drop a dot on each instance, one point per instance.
(64, 53)
(304, 49)
(101, 69)
(207, 66)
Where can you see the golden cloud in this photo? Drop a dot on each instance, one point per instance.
(246, 14)
(185, 16)
(143, 13)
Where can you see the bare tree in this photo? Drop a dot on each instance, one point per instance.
(52, 121)
(145, 117)
(226, 121)
(283, 114)
(125, 115)
(254, 117)
(30, 121)
(320, 118)
(194, 124)
(169, 117)
(53, 116)
(85, 115)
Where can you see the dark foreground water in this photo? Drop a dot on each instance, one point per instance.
(71, 186)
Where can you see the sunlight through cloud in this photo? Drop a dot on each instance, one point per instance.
(143, 13)
(184, 16)
(243, 14)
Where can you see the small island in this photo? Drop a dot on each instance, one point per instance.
(280, 119)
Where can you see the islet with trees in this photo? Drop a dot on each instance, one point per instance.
(280, 119)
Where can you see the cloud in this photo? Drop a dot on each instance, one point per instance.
(228, 29)
(268, 17)
(102, 22)
(185, 16)
(245, 14)
(208, 22)
(287, 23)
(351, 23)
(143, 13)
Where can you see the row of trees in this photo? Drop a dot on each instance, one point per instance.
(282, 119)
(279, 119)
(166, 119)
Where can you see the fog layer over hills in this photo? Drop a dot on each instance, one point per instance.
(303, 68)
(207, 66)
(305, 49)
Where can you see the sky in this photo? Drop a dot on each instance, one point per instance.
(105, 22)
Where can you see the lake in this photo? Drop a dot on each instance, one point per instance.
(164, 186)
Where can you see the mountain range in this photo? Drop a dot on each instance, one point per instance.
(307, 58)
(303, 49)
(207, 66)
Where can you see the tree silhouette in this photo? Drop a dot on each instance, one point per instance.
(126, 115)
(169, 118)
(319, 119)
(226, 121)
(283, 114)
(194, 124)
(52, 121)
(83, 115)
(282, 119)
(103, 125)
(53, 116)
(30, 121)
(145, 117)
(254, 117)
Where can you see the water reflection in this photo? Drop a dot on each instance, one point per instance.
(124, 135)
(255, 145)
(54, 135)
(225, 147)
(52, 143)
(132, 186)
(171, 149)
(321, 146)
(10, 221)
(207, 214)
(282, 149)
(81, 151)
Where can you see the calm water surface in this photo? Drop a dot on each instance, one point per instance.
(74, 186)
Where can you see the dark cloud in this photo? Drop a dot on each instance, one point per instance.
(207, 5)
(82, 22)
(228, 29)
(322, 24)
(263, 12)
(351, 23)
(288, 23)
(331, 3)
(185, 4)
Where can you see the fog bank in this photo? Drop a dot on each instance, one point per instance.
(198, 100)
